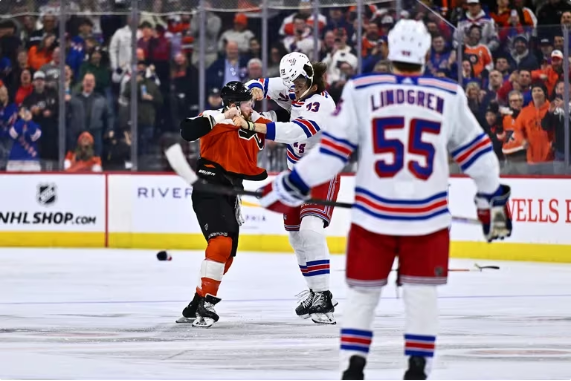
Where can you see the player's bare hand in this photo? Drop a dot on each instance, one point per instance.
(231, 112)
(257, 94)
(240, 122)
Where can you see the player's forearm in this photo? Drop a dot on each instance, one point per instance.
(192, 129)
(287, 132)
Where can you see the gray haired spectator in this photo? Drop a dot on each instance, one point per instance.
(254, 68)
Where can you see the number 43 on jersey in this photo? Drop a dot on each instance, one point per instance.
(416, 145)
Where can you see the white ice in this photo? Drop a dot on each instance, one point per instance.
(109, 314)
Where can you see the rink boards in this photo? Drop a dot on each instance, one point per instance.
(155, 211)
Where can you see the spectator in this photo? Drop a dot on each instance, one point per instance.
(468, 75)
(239, 34)
(226, 69)
(68, 83)
(50, 25)
(85, 29)
(526, 15)
(9, 41)
(302, 38)
(255, 50)
(545, 50)
(477, 53)
(276, 53)
(305, 10)
(95, 66)
(24, 155)
(441, 58)
(346, 72)
(554, 124)
(475, 101)
(51, 70)
(144, 42)
(518, 80)
(181, 39)
(43, 104)
(213, 26)
(214, 99)
(83, 158)
(514, 30)
(558, 93)
(528, 133)
(8, 116)
(494, 129)
(552, 73)
(326, 47)
(558, 42)
(88, 112)
(337, 20)
(502, 65)
(495, 81)
(27, 28)
(117, 151)
(254, 69)
(515, 162)
(379, 53)
(521, 57)
(149, 98)
(341, 53)
(382, 67)
(41, 54)
(159, 57)
(120, 48)
(25, 88)
(75, 56)
(477, 16)
(185, 98)
(12, 78)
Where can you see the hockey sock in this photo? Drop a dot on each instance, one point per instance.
(297, 245)
(313, 243)
(356, 333)
(218, 252)
(228, 264)
(421, 322)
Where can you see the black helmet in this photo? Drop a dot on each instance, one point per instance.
(234, 92)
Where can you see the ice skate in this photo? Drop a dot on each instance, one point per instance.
(305, 299)
(205, 313)
(416, 367)
(189, 312)
(322, 308)
(356, 368)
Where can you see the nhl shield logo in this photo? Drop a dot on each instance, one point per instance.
(46, 194)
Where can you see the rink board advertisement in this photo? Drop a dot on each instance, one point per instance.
(52, 210)
(155, 211)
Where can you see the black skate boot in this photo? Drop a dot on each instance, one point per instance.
(322, 308)
(205, 313)
(189, 312)
(416, 367)
(302, 310)
(355, 369)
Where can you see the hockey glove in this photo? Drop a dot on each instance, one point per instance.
(494, 214)
(284, 193)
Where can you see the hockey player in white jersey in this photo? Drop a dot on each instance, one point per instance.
(404, 125)
(301, 91)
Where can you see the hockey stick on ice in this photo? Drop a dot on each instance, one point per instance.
(476, 269)
(178, 162)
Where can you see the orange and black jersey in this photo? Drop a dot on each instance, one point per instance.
(224, 148)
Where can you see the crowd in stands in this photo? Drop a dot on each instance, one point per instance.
(508, 55)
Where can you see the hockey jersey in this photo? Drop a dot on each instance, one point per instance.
(308, 118)
(405, 128)
(25, 135)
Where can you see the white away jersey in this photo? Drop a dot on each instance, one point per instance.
(307, 118)
(404, 127)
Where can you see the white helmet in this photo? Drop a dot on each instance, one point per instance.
(409, 41)
(291, 68)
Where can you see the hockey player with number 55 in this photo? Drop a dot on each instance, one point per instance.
(404, 125)
(301, 91)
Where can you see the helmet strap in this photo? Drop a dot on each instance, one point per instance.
(306, 91)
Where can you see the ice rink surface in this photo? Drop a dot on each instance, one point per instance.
(109, 314)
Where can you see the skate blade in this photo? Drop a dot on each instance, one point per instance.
(203, 322)
(326, 318)
(186, 320)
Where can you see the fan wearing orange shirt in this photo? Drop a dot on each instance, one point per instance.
(478, 54)
(228, 155)
(83, 158)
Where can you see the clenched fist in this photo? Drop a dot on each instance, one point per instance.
(257, 94)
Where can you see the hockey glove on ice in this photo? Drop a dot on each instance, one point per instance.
(494, 214)
(287, 191)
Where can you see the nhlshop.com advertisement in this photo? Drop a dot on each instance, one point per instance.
(57, 203)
